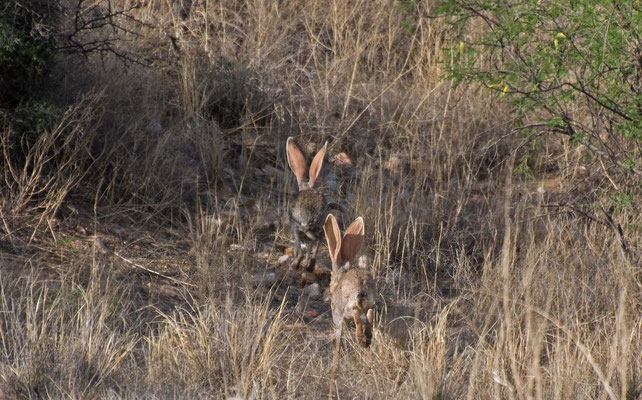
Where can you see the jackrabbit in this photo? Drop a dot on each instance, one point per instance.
(310, 206)
(352, 289)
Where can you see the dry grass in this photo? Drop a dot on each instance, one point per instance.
(178, 167)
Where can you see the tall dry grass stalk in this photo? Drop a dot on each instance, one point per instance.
(228, 349)
(61, 338)
(42, 168)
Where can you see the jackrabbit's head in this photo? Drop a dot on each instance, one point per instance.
(352, 289)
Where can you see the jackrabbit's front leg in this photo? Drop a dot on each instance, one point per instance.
(311, 256)
(359, 329)
(338, 332)
(363, 331)
(297, 255)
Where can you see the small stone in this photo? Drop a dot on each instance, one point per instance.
(342, 160)
(364, 262)
(308, 277)
(394, 163)
(100, 244)
(327, 296)
(312, 291)
(321, 272)
(237, 247)
(272, 172)
(331, 181)
(267, 279)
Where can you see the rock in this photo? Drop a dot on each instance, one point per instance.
(266, 278)
(331, 181)
(100, 244)
(291, 276)
(327, 296)
(394, 164)
(237, 247)
(308, 276)
(321, 272)
(364, 262)
(342, 160)
(272, 172)
(249, 246)
(312, 291)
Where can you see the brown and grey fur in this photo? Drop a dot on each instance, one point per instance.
(352, 289)
(310, 206)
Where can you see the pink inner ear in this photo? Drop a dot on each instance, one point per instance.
(296, 160)
(353, 240)
(317, 163)
(333, 237)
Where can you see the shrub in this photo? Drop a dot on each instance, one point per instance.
(571, 67)
(26, 49)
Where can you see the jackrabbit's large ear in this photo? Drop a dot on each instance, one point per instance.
(353, 240)
(316, 164)
(333, 237)
(296, 160)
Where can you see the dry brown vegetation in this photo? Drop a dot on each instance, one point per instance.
(142, 236)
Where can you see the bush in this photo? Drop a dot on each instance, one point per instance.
(568, 67)
(26, 49)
